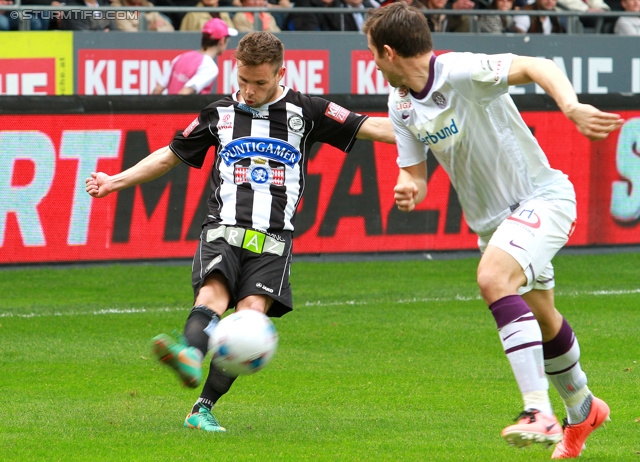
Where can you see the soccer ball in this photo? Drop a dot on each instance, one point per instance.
(243, 342)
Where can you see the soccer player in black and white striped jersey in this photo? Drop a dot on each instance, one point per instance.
(262, 136)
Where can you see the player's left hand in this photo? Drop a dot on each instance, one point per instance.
(592, 122)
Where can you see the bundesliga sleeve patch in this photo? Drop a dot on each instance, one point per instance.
(337, 112)
(190, 128)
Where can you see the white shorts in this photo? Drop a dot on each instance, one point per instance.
(533, 234)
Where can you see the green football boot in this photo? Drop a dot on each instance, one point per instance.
(203, 420)
(185, 360)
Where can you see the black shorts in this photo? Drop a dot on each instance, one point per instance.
(252, 262)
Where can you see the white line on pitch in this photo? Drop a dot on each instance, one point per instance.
(318, 303)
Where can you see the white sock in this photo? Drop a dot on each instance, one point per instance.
(579, 405)
(522, 343)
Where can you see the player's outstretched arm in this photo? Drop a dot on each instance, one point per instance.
(377, 129)
(151, 167)
(411, 186)
(590, 121)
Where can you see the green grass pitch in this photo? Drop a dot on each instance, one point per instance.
(379, 361)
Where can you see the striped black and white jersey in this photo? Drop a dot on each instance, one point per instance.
(258, 175)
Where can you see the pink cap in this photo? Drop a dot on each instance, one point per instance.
(217, 29)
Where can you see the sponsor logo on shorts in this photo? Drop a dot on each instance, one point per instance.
(260, 285)
(516, 245)
(253, 241)
(213, 263)
(526, 217)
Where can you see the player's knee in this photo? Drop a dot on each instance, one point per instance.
(255, 302)
(493, 284)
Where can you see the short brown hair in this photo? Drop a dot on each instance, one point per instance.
(260, 47)
(400, 26)
(207, 42)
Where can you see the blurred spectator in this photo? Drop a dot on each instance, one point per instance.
(466, 4)
(195, 71)
(87, 22)
(230, 3)
(497, 24)
(176, 18)
(316, 21)
(281, 18)
(629, 25)
(152, 21)
(460, 23)
(195, 20)
(331, 21)
(585, 6)
(244, 21)
(417, 3)
(439, 22)
(40, 19)
(539, 24)
(5, 23)
(354, 21)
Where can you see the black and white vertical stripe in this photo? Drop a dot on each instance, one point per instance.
(294, 122)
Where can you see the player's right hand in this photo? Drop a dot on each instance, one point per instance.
(592, 122)
(95, 185)
(405, 196)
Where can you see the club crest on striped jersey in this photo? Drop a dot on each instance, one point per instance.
(295, 123)
(252, 146)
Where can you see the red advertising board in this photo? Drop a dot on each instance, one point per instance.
(28, 76)
(46, 216)
(615, 185)
(366, 79)
(306, 71)
(136, 72)
(122, 72)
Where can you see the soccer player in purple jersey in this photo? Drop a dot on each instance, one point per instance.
(457, 106)
(262, 135)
